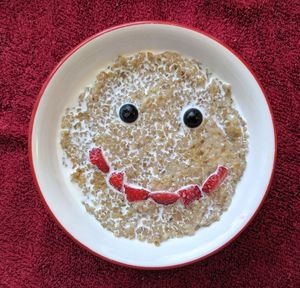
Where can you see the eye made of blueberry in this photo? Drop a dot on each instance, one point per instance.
(128, 113)
(192, 117)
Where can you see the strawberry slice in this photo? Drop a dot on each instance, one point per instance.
(97, 158)
(211, 183)
(222, 172)
(165, 198)
(189, 194)
(116, 180)
(135, 194)
(215, 179)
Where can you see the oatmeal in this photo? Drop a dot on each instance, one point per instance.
(165, 124)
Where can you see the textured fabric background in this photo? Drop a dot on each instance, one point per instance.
(35, 35)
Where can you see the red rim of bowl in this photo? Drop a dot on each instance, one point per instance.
(36, 107)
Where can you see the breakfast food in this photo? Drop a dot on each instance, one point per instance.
(156, 146)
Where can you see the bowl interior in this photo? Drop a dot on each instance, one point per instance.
(78, 70)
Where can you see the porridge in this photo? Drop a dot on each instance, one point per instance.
(156, 146)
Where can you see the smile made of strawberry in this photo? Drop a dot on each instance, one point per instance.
(186, 195)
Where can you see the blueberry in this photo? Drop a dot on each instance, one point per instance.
(128, 113)
(192, 118)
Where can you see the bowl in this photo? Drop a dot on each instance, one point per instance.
(77, 70)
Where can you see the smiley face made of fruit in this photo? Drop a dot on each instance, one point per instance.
(192, 118)
(162, 128)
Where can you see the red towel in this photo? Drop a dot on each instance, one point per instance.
(35, 35)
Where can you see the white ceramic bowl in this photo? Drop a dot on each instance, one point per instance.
(79, 69)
